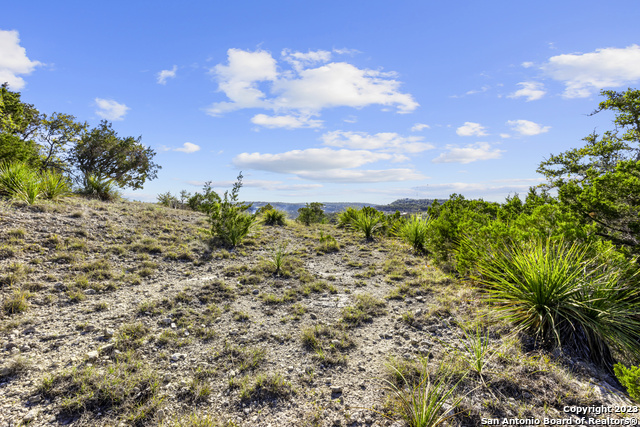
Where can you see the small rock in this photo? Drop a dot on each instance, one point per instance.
(165, 322)
(255, 291)
(175, 357)
(173, 326)
(336, 389)
(31, 415)
(313, 316)
(108, 333)
(89, 291)
(92, 356)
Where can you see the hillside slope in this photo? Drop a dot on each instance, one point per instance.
(122, 313)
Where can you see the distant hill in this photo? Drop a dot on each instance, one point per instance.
(402, 205)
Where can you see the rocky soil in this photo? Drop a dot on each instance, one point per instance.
(130, 314)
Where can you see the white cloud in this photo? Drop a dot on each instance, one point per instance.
(188, 147)
(480, 189)
(301, 60)
(258, 183)
(167, 74)
(385, 141)
(110, 109)
(505, 135)
(14, 60)
(328, 165)
(303, 89)
(471, 129)
(527, 128)
(584, 73)
(527, 64)
(287, 121)
(238, 80)
(363, 176)
(419, 127)
(468, 154)
(311, 159)
(530, 90)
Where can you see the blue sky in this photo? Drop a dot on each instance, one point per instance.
(363, 101)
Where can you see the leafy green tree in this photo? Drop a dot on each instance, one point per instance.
(601, 180)
(101, 153)
(311, 213)
(56, 135)
(18, 123)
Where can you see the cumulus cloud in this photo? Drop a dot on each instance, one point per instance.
(362, 176)
(286, 121)
(586, 73)
(419, 127)
(471, 129)
(164, 75)
(385, 141)
(188, 147)
(326, 164)
(14, 60)
(253, 80)
(530, 90)
(110, 109)
(527, 128)
(311, 159)
(468, 154)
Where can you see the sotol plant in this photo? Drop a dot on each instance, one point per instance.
(557, 292)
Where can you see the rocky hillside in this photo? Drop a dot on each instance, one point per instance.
(127, 314)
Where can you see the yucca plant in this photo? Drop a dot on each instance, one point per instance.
(560, 294)
(100, 187)
(422, 404)
(415, 231)
(367, 220)
(19, 181)
(274, 217)
(277, 258)
(54, 185)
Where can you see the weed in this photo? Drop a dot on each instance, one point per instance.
(422, 404)
(366, 307)
(270, 386)
(17, 302)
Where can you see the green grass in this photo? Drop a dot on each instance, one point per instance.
(365, 308)
(421, 403)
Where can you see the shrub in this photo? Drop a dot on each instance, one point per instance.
(100, 187)
(415, 231)
(274, 217)
(19, 181)
(563, 296)
(168, 200)
(630, 379)
(367, 220)
(229, 220)
(312, 213)
(54, 185)
(422, 403)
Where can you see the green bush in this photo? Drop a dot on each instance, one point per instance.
(312, 213)
(563, 296)
(228, 218)
(54, 185)
(367, 220)
(415, 231)
(167, 199)
(100, 187)
(274, 217)
(19, 181)
(629, 378)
